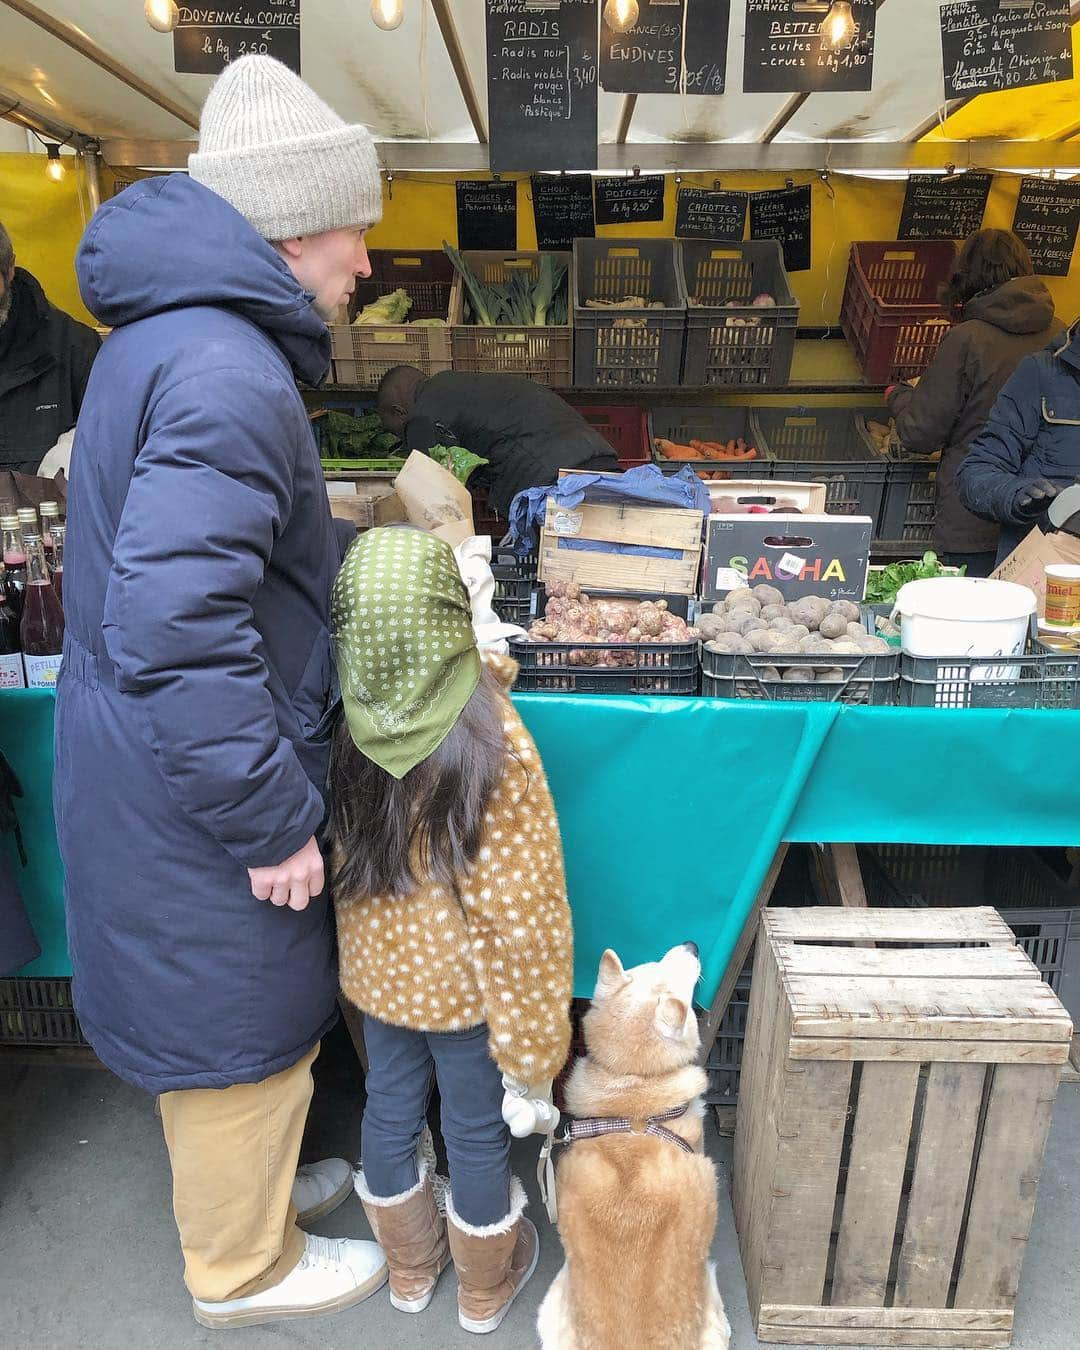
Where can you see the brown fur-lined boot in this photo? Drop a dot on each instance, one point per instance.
(493, 1263)
(412, 1234)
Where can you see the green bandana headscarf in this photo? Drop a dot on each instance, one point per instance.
(404, 644)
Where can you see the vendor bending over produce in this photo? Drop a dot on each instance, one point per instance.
(526, 432)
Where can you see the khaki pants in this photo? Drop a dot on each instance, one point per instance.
(234, 1153)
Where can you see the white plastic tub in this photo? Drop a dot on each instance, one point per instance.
(965, 617)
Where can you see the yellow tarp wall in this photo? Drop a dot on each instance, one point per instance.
(45, 221)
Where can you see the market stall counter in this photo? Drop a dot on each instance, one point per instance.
(674, 811)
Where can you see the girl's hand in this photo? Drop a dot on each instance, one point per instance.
(293, 882)
(528, 1108)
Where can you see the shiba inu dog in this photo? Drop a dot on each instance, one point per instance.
(636, 1194)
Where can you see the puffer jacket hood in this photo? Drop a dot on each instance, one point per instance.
(170, 243)
(1022, 305)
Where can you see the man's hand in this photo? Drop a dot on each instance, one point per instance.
(294, 882)
(1033, 498)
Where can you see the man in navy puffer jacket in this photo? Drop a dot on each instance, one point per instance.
(196, 682)
(1030, 447)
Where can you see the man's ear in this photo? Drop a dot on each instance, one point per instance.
(671, 1014)
(611, 976)
(291, 248)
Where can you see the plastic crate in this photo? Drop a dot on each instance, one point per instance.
(729, 344)
(544, 354)
(933, 875)
(825, 445)
(686, 422)
(362, 355)
(658, 668)
(890, 312)
(38, 1012)
(1039, 678)
(724, 1064)
(607, 352)
(870, 680)
(625, 429)
(515, 599)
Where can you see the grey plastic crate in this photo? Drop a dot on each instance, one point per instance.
(684, 422)
(825, 445)
(38, 1012)
(728, 341)
(724, 1064)
(1037, 678)
(609, 353)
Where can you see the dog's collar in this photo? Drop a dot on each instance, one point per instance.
(592, 1127)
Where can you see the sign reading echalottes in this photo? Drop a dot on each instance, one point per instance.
(207, 38)
(542, 77)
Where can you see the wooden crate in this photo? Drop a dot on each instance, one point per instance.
(893, 1111)
(668, 527)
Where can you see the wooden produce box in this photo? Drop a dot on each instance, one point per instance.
(676, 528)
(365, 504)
(893, 1112)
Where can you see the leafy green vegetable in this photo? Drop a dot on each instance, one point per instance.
(345, 436)
(391, 308)
(457, 459)
(882, 587)
(518, 302)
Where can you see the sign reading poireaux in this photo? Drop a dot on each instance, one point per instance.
(206, 39)
(648, 59)
(620, 201)
(989, 45)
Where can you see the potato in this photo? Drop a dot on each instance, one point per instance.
(769, 674)
(834, 675)
(833, 626)
(855, 631)
(816, 645)
(798, 675)
(797, 634)
(805, 612)
(711, 625)
(771, 612)
(847, 608)
(744, 623)
(743, 600)
(768, 595)
(764, 640)
(845, 646)
(874, 644)
(729, 644)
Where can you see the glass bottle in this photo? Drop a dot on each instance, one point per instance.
(14, 561)
(50, 516)
(42, 625)
(59, 535)
(12, 674)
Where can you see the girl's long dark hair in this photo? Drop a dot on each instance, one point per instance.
(433, 817)
(987, 259)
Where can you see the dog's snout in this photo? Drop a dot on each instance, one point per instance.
(692, 948)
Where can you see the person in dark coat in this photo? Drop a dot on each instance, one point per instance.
(195, 692)
(1030, 447)
(45, 360)
(525, 431)
(1001, 313)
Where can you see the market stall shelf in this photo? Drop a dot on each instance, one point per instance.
(895, 1105)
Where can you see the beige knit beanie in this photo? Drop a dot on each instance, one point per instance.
(288, 163)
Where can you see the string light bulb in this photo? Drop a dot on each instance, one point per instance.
(387, 14)
(838, 27)
(621, 15)
(161, 15)
(55, 167)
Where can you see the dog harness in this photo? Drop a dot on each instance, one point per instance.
(592, 1127)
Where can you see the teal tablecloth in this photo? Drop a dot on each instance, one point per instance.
(671, 809)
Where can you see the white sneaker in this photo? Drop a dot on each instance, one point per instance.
(320, 1188)
(332, 1274)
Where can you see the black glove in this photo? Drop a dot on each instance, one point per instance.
(1033, 498)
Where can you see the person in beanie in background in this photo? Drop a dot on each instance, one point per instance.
(191, 754)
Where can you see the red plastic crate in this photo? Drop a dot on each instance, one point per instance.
(626, 430)
(890, 313)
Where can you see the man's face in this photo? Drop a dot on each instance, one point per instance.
(328, 264)
(6, 278)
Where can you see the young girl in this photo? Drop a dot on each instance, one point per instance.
(453, 925)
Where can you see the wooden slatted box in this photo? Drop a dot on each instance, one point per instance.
(898, 1080)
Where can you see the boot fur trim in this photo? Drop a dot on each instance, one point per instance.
(384, 1201)
(518, 1201)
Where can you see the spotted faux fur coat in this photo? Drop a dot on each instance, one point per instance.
(417, 961)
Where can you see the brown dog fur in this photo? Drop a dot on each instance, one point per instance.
(637, 1213)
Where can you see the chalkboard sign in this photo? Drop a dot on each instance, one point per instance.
(563, 207)
(949, 207)
(648, 59)
(487, 215)
(619, 200)
(205, 40)
(542, 71)
(986, 44)
(701, 214)
(1047, 214)
(784, 215)
(783, 52)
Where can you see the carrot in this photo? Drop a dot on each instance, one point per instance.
(672, 450)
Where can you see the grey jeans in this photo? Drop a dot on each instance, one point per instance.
(401, 1066)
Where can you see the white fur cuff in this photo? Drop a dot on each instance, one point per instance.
(518, 1201)
(384, 1201)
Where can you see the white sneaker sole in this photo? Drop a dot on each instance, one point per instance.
(327, 1206)
(417, 1305)
(253, 1317)
(493, 1323)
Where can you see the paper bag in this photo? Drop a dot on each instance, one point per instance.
(1025, 563)
(434, 499)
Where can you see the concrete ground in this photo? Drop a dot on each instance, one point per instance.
(89, 1258)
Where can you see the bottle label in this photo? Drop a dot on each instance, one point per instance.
(41, 671)
(12, 675)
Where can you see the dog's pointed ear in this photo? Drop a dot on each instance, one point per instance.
(671, 1014)
(610, 977)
